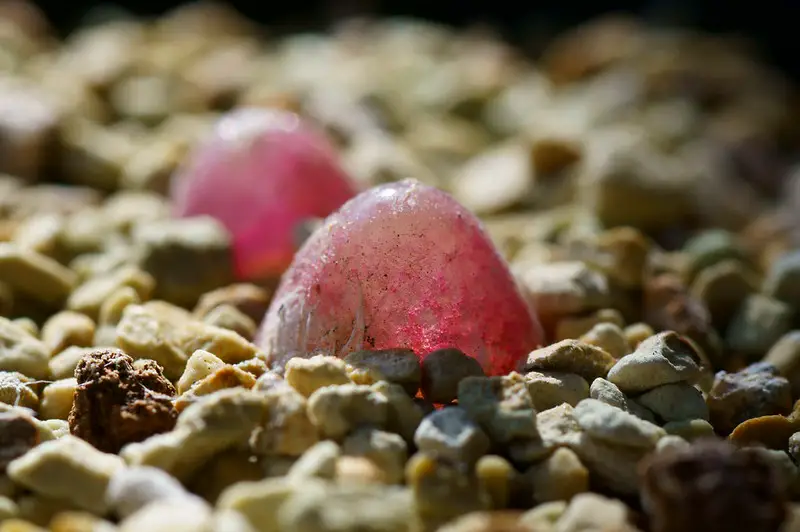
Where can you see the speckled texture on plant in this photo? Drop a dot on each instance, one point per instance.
(402, 265)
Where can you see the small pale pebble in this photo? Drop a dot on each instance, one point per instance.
(552, 388)
(571, 356)
(317, 462)
(229, 417)
(260, 501)
(565, 288)
(229, 317)
(671, 443)
(27, 325)
(169, 516)
(16, 390)
(8, 509)
(57, 399)
(590, 511)
(609, 393)
(387, 450)
(358, 470)
(543, 517)
(54, 468)
(19, 351)
(496, 477)
(575, 326)
(615, 426)
(132, 488)
(338, 410)
(608, 337)
(561, 476)
(199, 366)
(343, 508)
(66, 329)
(309, 375)
(62, 366)
(637, 333)
(227, 376)
(35, 275)
(661, 359)
(90, 296)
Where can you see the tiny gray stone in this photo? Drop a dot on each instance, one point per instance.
(675, 402)
(607, 392)
(661, 359)
(443, 370)
(400, 366)
(614, 425)
(451, 433)
(502, 406)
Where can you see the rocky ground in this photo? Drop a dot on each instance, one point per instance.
(639, 182)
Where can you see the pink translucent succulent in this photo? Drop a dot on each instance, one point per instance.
(401, 265)
(261, 173)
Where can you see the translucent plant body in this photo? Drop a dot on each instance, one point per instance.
(401, 265)
(262, 172)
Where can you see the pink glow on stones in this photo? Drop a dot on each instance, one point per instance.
(261, 173)
(401, 265)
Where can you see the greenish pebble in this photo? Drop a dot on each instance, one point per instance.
(709, 248)
(783, 280)
(691, 429)
(675, 402)
(757, 325)
(722, 288)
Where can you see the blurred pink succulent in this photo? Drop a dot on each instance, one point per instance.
(261, 173)
(401, 265)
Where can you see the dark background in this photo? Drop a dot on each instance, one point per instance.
(771, 24)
